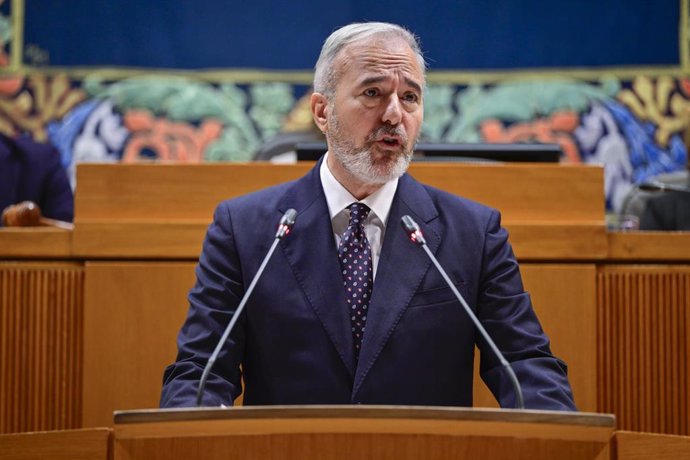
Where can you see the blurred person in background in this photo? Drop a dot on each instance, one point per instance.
(31, 171)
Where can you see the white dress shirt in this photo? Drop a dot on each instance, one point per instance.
(338, 199)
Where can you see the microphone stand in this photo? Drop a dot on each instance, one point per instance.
(284, 228)
(416, 236)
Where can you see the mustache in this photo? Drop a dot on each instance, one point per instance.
(389, 130)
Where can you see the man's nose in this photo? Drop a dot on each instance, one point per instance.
(393, 110)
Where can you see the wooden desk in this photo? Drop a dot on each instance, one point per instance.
(121, 279)
(135, 217)
(162, 211)
(650, 446)
(89, 444)
(649, 247)
(35, 243)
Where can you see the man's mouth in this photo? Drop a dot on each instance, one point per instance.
(389, 141)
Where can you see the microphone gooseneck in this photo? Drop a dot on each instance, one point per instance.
(415, 234)
(284, 228)
(634, 192)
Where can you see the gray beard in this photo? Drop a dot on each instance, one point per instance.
(359, 161)
(361, 166)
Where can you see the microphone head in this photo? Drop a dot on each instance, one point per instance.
(658, 186)
(289, 217)
(286, 223)
(412, 229)
(652, 186)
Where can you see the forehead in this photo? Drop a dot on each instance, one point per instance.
(378, 57)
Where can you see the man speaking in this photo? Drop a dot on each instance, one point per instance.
(348, 311)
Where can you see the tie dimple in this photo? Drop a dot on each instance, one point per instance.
(354, 254)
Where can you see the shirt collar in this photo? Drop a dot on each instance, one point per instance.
(338, 198)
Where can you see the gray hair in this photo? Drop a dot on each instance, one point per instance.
(325, 76)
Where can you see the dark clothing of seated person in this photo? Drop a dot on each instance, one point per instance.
(670, 211)
(31, 171)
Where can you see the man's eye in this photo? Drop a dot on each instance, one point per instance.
(410, 97)
(371, 92)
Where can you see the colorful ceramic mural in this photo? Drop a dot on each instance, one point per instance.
(636, 125)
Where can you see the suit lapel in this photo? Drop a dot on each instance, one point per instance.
(312, 255)
(401, 268)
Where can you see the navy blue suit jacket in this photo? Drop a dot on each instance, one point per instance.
(30, 171)
(294, 342)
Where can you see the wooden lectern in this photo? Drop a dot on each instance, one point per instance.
(358, 432)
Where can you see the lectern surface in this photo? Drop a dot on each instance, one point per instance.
(360, 432)
(364, 412)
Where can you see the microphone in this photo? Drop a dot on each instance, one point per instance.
(284, 228)
(415, 234)
(286, 223)
(658, 186)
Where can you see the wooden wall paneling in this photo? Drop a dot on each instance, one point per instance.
(643, 343)
(40, 346)
(564, 297)
(132, 314)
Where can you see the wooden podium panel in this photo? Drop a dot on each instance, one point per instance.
(564, 297)
(160, 212)
(133, 311)
(342, 432)
(91, 444)
(149, 192)
(554, 211)
(651, 446)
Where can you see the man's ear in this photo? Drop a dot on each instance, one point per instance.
(319, 110)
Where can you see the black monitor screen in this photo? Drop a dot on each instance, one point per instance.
(535, 153)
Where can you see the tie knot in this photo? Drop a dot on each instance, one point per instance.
(358, 213)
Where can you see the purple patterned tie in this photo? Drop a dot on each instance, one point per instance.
(354, 254)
